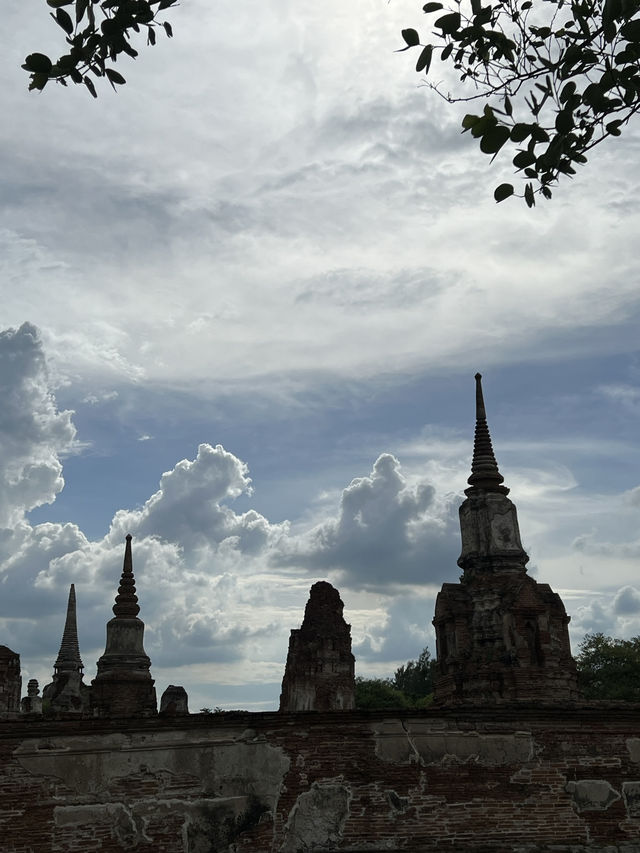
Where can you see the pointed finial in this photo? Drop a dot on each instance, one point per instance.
(126, 605)
(68, 659)
(484, 468)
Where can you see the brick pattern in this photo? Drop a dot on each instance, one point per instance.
(499, 780)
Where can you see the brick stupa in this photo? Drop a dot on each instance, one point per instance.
(67, 693)
(123, 686)
(320, 670)
(501, 636)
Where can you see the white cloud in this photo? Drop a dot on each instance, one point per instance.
(616, 615)
(387, 532)
(33, 434)
(189, 507)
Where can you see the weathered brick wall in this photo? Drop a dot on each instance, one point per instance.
(524, 781)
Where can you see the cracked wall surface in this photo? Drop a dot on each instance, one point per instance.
(525, 780)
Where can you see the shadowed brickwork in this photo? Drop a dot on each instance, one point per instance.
(10, 681)
(320, 670)
(517, 780)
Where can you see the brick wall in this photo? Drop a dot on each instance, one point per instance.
(524, 781)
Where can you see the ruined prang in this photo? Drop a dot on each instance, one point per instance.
(123, 686)
(10, 682)
(319, 675)
(66, 693)
(501, 637)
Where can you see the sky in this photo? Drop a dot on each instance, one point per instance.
(243, 302)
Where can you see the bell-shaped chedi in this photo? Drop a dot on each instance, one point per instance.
(32, 702)
(501, 636)
(66, 693)
(123, 686)
(320, 670)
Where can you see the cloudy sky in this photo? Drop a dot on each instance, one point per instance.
(243, 300)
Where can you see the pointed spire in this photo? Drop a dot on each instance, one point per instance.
(68, 659)
(484, 468)
(126, 606)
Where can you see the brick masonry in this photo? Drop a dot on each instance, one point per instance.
(519, 779)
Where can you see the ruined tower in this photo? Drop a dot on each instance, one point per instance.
(123, 686)
(10, 681)
(66, 692)
(501, 636)
(319, 675)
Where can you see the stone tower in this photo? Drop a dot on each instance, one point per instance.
(320, 670)
(10, 682)
(501, 636)
(123, 686)
(66, 692)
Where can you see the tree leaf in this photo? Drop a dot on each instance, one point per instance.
(502, 192)
(114, 76)
(523, 159)
(88, 82)
(494, 138)
(411, 37)
(64, 20)
(38, 81)
(431, 7)
(564, 121)
(469, 120)
(424, 60)
(520, 131)
(38, 63)
(529, 196)
(448, 23)
(81, 8)
(631, 31)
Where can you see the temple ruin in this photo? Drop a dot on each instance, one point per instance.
(509, 758)
(67, 693)
(123, 686)
(10, 681)
(500, 635)
(320, 669)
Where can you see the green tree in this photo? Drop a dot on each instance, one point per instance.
(609, 668)
(374, 693)
(557, 78)
(411, 686)
(415, 678)
(96, 34)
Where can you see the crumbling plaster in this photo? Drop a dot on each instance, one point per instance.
(512, 780)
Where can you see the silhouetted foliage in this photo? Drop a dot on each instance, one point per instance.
(558, 77)
(415, 678)
(411, 687)
(609, 668)
(373, 693)
(96, 33)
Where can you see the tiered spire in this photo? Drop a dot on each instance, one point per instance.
(123, 686)
(484, 468)
(68, 659)
(126, 606)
